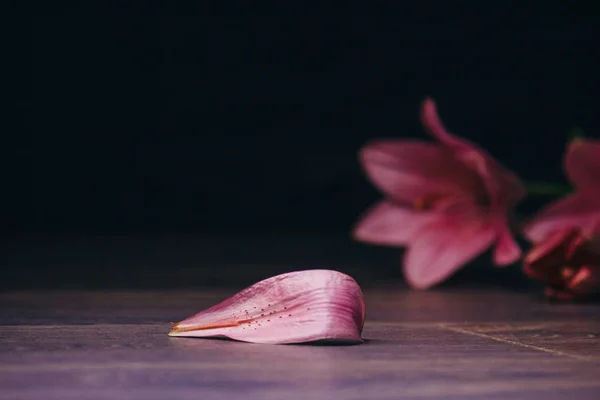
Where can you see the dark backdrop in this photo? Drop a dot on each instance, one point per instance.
(250, 120)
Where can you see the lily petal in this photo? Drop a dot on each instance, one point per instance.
(296, 307)
(586, 281)
(571, 211)
(545, 258)
(442, 247)
(582, 164)
(410, 171)
(506, 251)
(432, 122)
(503, 186)
(388, 224)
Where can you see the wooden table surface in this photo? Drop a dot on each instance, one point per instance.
(442, 344)
(73, 333)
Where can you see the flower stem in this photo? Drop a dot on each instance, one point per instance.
(546, 189)
(576, 134)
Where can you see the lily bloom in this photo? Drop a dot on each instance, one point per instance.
(566, 233)
(446, 201)
(297, 307)
(580, 209)
(568, 260)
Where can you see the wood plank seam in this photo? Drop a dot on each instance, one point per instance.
(515, 343)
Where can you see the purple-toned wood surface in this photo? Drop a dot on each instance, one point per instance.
(447, 343)
(71, 327)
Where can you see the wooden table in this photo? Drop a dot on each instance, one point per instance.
(60, 339)
(443, 344)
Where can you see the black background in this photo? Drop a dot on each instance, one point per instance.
(249, 120)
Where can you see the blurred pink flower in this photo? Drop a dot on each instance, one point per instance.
(580, 209)
(566, 235)
(447, 202)
(568, 261)
(297, 307)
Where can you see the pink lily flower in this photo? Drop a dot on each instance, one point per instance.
(297, 307)
(566, 234)
(580, 209)
(568, 261)
(446, 201)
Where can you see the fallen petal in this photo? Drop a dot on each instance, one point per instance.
(296, 307)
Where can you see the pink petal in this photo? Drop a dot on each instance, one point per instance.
(296, 307)
(570, 211)
(388, 224)
(586, 281)
(432, 122)
(443, 246)
(503, 186)
(412, 171)
(546, 247)
(507, 251)
(582, 164)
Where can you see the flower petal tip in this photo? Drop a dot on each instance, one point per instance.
(507, 252)
(297, 307)
(428, 102)
(428, 109)
(419, 285)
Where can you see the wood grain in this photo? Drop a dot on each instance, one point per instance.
(451, 344)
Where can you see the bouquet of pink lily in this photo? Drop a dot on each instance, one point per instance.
(449, 201)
